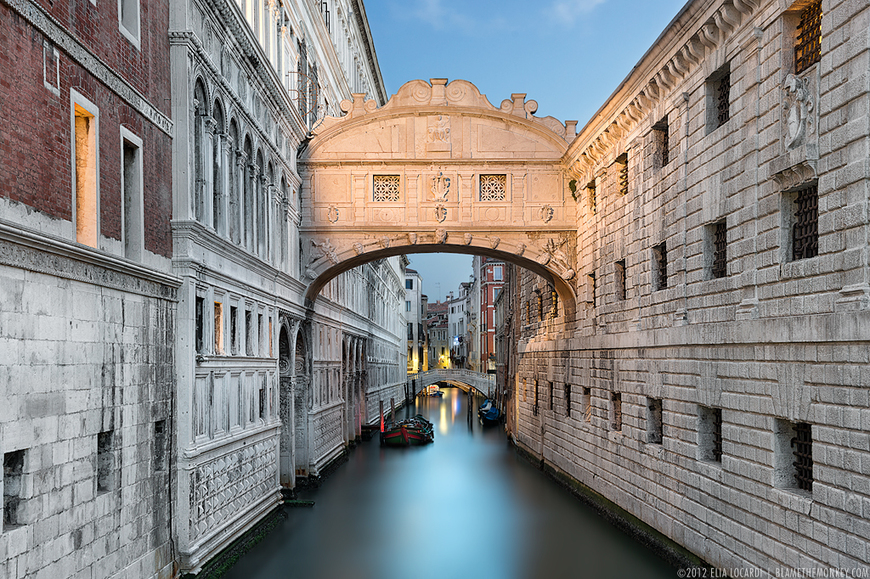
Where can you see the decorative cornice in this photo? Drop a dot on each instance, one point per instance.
(34, 14)
(29, 250)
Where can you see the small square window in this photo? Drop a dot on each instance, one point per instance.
(716, 250)
(710, 434)
(793, 455)
(493, 187)
(718, 98)
(386, 187)
(654, 421)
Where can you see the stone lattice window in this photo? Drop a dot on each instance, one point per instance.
(720, 249)
(808, 48)
(386, 187)
(493, 187)
(805, 231)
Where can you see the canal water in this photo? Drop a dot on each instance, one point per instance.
(464, 506)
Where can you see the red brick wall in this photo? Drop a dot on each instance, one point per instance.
(35, 137)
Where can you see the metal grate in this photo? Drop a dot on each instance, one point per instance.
(720, 249)
(493, 187)
(554, 312)
(805, 233)
(386, 187)
(808, 49)
(717, 434)
(661, 256)
(802, 443)
(623, 174)
(552, 389)
(723, 98)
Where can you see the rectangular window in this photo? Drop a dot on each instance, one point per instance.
(497, 273)
(808, 48)
(622, 173)
(50, 67)
(717, 243)
(805, 223)
(586, 403)
(591, 196)
(615, 411)
(410, 330)
(249, 334)
(554, 302)
(551, 389)
(660, 267)
(493, 187)
(662, 143)
(386, 188)
(85, 170)
(131, 185)
(200, 316)
(160, 446)
(567, 399)
(540, 299)
(793, 455)
(710, 434)
(718, 98)
(105, 461)
(535, 408)
(259, 335)
(13, 471)
(654, 420)
(409, 284)
(234, 330)
(590, 289)
(407, 306)
(218, 328)
(620, 279)
(262, 399)
(128, 20)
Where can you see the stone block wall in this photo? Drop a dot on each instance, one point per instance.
(86, 415)
(686, 356)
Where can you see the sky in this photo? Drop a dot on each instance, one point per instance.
(568, 55)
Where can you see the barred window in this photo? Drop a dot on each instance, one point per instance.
(710, 433)
(808, 48)
(567, 399)
(723, 96)
(720, 249)
(386, 187)
(805, 231)
(660, 266)
(493, 187)
(554, 297)
(615, 411)
(593, 202)
(802, 445)
(662, 142)
(540, 307)
(622, 175)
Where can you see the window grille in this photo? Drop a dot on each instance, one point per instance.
(555, 297)
(802, 443)
(620, 279)
(808, 49)
(663, 141)
(660, 254)
(540, 308)
(552, 388)
(493, 187)
(622, 161)
(723, 97)
(593, 201)
(386, 187)
(567, 399)
(717, 434)
(805, 233)
(535, 407)
(720, 240)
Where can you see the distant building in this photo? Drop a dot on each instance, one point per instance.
(416, 335)
(437, 329)
(490, 273)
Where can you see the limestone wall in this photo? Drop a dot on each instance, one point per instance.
(779, 341)
(85, 423)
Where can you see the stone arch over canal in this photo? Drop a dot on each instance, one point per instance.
(439, 169)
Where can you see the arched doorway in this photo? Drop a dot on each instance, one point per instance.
(285, 407)
(302, 404)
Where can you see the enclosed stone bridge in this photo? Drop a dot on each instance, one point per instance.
(465, 379)
(438, 169)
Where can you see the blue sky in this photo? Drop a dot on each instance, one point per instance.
(568, 55)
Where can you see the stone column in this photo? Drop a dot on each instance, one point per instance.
(238, 197)
(207, 154)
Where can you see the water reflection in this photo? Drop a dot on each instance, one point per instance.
(465, 506)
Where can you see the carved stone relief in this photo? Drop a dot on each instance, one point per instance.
(797, 108)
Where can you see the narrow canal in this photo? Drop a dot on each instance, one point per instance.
(465, 506)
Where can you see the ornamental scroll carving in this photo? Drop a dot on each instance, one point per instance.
(797, 108)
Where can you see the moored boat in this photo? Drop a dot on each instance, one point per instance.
(415, 431)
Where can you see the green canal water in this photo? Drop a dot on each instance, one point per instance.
(465, 506)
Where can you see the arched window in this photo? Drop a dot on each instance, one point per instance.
(248, 195)
(234, 219)
(199, 183)
(218, 164)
